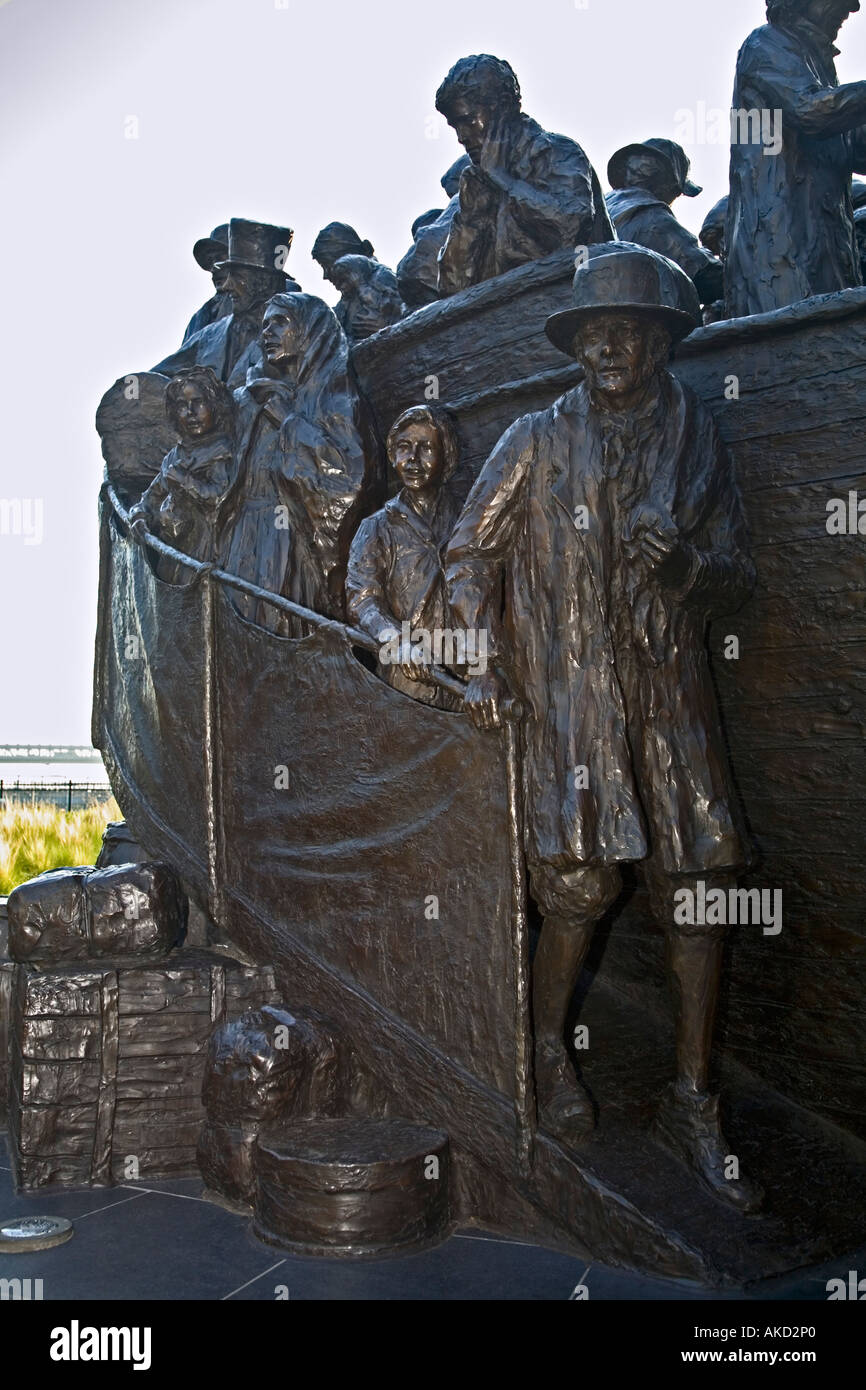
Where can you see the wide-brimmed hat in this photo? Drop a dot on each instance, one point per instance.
(668, 150)
(210, 249)
(259, 245)
(621, 277)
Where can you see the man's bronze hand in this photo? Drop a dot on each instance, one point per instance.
(477, 193)
(666, 555)
(482, 700)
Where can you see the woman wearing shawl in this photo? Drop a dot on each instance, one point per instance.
(303, 478)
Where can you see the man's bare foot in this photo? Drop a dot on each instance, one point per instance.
(565, 1109)
(688, 1126)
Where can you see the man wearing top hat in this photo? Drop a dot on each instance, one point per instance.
(251, 274)
(646, 178)
(208, 252)
(600, 537)
(790, 228)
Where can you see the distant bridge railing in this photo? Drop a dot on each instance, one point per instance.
(69, 795)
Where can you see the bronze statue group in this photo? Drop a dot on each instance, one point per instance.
(601, 535)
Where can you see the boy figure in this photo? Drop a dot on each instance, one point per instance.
(183, 503)
(525, 193)
(646, 179)
(615, 520)
(395, 574)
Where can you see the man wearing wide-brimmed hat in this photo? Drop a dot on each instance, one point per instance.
(646, 179)
(790, 229)
(614, 519)
(251, 273)
(208, 252)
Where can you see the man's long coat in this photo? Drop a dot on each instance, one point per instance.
(790, 227)
(561, 205)
(657, 772)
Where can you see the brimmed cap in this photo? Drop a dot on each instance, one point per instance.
(210, 249)
(669, 150)
(621, 277)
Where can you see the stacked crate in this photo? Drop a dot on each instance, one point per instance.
(106, 1064)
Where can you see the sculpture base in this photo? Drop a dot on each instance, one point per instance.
(623, 1200)
(352, 1187)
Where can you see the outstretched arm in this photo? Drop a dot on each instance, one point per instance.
(778, 80)
(483, 540)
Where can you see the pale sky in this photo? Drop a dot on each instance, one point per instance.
(299, 114)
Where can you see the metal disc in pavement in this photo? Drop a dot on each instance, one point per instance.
(23, 1234)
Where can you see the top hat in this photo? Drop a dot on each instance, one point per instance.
(668, 150)
(621, 277)
(210, 249)
(258, 244)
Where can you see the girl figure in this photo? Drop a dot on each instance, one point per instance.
(304, 477)
(184, 502)
(395, 573)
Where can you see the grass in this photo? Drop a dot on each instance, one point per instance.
(40, 837)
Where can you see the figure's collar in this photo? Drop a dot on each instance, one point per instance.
(202, 449)
(803, 28)
(401, 506)
(625, 420)
(622, 200)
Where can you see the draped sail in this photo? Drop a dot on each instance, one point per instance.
(290, 785)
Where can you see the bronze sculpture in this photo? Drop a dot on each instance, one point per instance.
(370, 296)
(336, 240)
(87, 914)
(395, 584)
(379, 863)
(252, 272)
(625, 481)
(262, 1067)
(646, 178)
(712, 235)
(210, 253)
(798, 137)
(418, 271)
(860, 234)
(183, 503)
(526, 191)
(302, 470)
